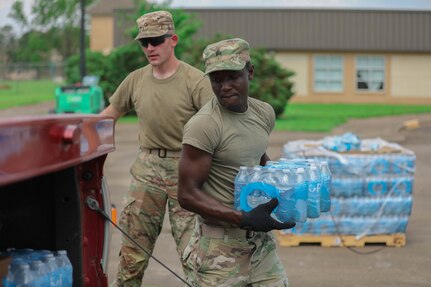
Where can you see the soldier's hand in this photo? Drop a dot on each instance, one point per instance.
(259, 218)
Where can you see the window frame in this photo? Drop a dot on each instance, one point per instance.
(328, 68)
(369, 70)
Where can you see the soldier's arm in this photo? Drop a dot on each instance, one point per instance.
(194, 168)
(112, 112)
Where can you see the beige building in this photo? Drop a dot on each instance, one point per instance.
(106, 31)
(343, 56)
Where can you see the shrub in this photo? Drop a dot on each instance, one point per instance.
(271, 82)
(121, 62)
(96, 64)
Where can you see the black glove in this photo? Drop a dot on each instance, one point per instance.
(259, 218)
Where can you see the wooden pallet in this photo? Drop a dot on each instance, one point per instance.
(289, 240)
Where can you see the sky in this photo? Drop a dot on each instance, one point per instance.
(5, 5)
(372, 4)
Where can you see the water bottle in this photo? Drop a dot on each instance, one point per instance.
(257, 196)
(241, 180)
(379, 166)
(12, 270)
(271, 163)
(403, 164)
(286, 211)
(376, 186)
(332, 143)
(8, 280)
(401, 185)
(40, 273)
(325, 189)
(65, 268)
(54, 276)
(272, 186)
(269, 176)
(259, 190)
(23, 277)
(313, 202)
(301, 193)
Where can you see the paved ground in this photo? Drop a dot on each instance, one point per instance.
(313, 265)
(308, 265)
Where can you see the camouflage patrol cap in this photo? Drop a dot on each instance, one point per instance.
(230, 54)
(154, 24)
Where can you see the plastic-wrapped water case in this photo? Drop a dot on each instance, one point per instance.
(366, 206)
(346, 142)
(371, 190)
(297, 185)
(36, 268)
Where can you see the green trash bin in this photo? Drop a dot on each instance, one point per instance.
(85, 99)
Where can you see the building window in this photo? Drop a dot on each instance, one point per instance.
(328, 73)
(370, 73)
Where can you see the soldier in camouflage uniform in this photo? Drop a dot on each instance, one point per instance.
(164, 94)
(228, 247)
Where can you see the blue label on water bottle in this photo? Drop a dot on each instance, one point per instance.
(268, 189)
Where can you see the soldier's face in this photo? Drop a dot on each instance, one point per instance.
(159, 50)
(231, 88)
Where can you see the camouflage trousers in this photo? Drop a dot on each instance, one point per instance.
(233, 262)
(153, 185)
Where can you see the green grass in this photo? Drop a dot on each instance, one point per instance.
(128, 119)
(297, 117)
(325, 117)
(21, 93)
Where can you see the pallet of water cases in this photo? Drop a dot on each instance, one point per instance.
(291, 240)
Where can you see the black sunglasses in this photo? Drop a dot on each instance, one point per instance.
(154, 41)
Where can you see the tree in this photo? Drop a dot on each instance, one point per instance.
(33, 47)
(97, 64)
(7, 43)
(58, 18)
(271, 83)
(17, 13)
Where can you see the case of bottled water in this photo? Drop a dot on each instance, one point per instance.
(38, 268)
(302, 187)
(371, 188)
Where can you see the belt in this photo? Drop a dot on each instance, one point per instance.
(161, 152)
(225, 233)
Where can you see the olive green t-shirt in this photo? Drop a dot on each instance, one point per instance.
(233, 139)
(163, 106)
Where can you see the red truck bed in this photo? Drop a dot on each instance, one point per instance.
(49, 165)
